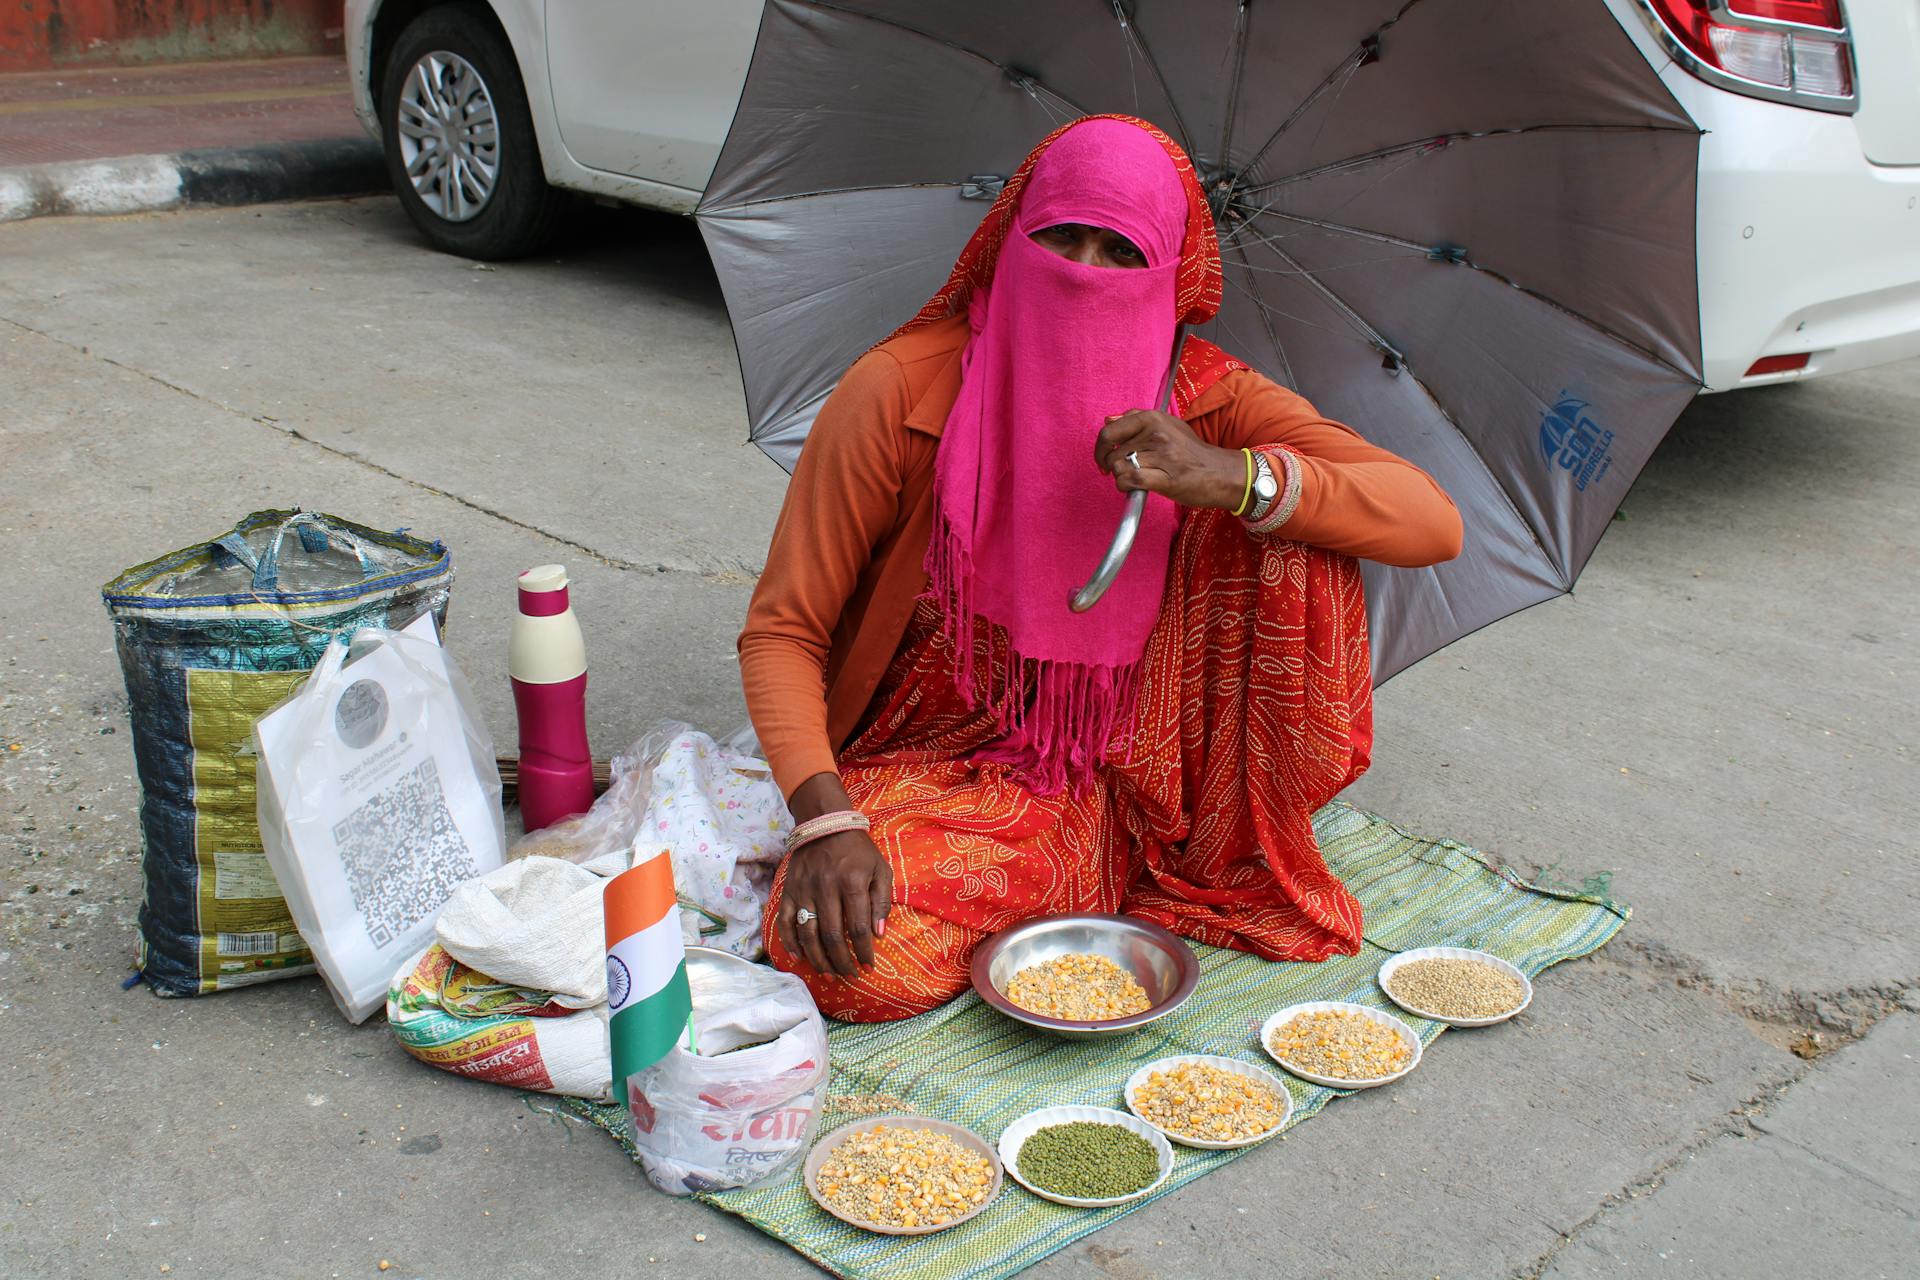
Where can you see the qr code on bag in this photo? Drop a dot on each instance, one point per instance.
(402, 853)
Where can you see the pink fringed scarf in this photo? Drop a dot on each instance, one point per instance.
(1022, 513)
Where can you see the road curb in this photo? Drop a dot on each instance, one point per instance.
(224, 176)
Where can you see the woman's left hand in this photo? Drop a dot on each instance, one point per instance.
(1155, 451)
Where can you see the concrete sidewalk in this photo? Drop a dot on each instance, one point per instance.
(1714, 728)
(127, 140)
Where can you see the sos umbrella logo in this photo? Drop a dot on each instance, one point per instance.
(1575, 441)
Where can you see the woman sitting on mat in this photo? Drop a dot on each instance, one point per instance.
(961, 750)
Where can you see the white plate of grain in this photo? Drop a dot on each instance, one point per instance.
(1493, 962)
(1385, 1019)
(1026, 1126)
(1239, 1068)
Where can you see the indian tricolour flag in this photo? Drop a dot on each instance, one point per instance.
(648, 1003)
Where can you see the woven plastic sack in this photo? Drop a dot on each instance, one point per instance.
(454, 1018)
(210, 638)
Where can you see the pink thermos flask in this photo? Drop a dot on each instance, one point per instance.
(548, 662)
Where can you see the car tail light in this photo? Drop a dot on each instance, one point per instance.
(1793, 51)
(1806, 13)
(1778, 364)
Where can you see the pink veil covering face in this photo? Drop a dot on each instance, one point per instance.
(1022, 512)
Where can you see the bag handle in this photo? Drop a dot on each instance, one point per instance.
(315, 535)
(332, 660)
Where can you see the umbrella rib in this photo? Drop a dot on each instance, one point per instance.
(1233, 335)
(1021, 77)
(1374, 336)
(1237, 55)
(1267, 308)
(1249, 216)
(1362, 53)
(1139, 42)
(1382, 237)
(1363, 233)
(1441, 141)
(1441, 409)
(1346, 68)
(1342, 266)
(832, 191)
(1266, 322)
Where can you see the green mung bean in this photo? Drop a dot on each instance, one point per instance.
(1088, 1160)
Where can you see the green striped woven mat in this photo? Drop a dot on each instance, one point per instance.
(968, 1064)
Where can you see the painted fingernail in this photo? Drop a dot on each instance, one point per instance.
(880, 927)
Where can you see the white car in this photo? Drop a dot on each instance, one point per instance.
(1809, 192)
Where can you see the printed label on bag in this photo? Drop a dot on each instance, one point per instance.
(361, 714)
(238, 896)
(249, 944)
(245, 977)
(243, 876)
(402, 853)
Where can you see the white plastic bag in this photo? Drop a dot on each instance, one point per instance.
(378, 796)
(745, 1107)
(536, 924)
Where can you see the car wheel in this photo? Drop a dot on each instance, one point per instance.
(459, 138)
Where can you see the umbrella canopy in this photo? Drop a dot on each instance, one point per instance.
(1466, 230)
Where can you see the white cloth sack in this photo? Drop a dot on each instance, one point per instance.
(534, 923)
(378, 795)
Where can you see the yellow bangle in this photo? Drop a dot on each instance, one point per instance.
(1246, 497)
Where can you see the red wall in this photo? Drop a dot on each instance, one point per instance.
(36, 34)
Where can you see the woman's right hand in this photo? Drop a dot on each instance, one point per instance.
(845, 882)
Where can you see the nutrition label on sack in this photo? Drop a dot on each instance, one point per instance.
(243, 875)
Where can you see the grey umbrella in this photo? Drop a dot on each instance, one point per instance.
(1464, 227)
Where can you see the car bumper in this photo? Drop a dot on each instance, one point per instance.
(1804, 246)
(358, 26)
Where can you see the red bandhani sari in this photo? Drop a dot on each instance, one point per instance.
(1254, 708)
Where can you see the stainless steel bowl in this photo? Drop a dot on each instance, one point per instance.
(1163, 965)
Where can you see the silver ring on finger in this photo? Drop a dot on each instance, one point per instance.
(805, 916)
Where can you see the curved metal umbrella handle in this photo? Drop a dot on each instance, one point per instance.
(1088, 596)
(1110, 564)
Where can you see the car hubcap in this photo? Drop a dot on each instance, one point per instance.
(449, 139)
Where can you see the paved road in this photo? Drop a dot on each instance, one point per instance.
(1718, 727)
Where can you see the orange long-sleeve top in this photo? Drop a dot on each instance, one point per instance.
(847, 561)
